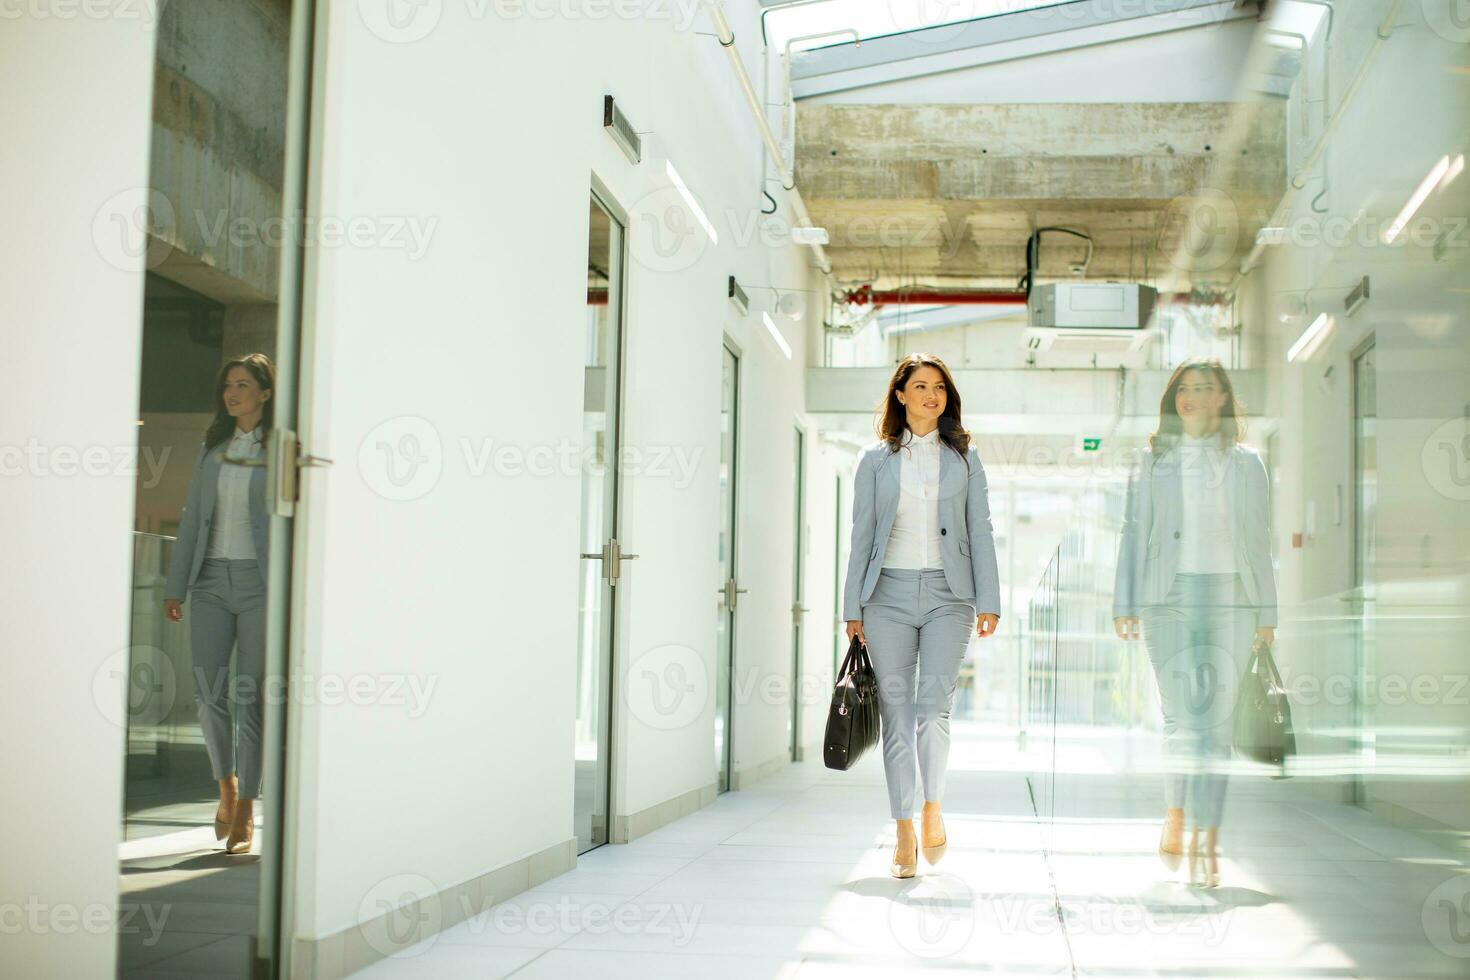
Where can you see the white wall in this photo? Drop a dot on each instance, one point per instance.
(71, 305)
(491, 127)
(1417, 315)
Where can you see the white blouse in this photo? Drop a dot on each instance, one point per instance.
(1205, 547)
(230, 533)
(914, 540)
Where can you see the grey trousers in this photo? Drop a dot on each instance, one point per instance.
(1199, 640)
(226, 608)
(917, 632)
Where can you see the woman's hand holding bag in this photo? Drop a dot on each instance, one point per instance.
(852, 717)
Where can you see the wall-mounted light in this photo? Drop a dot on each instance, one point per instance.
(790, 306)
(684, 192)
(808, 235)
(776, 334)
(1456, 165)
(1439, 176)
(1306, 345)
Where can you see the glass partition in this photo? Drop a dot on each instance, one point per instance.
(200, 860)
(166, 758)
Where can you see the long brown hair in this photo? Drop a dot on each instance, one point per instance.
(223, 424)
(1171, 426)
(892, 418)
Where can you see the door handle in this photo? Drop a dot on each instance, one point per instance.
(286, 459)
(611, 556)
(729, 592)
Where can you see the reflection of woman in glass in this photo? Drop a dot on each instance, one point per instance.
(220, 562)
(920, 580)
(1194, 570)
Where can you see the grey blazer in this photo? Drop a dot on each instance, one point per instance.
(966, 541)
(193, 537)
(1148, 550)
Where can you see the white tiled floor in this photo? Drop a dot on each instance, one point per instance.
(789, 879)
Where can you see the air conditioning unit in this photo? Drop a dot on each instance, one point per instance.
(1093, 305)
(1090, 318)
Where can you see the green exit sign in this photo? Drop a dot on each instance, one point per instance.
(1091, 445)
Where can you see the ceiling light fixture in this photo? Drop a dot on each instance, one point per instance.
(776, 333)
(1306, 345)
(684, 192)
(1431, 180)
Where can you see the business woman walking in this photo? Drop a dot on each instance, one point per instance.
(1194, 574)
(921, 576)
(219, 562)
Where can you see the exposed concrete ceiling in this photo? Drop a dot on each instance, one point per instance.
(1171, 193)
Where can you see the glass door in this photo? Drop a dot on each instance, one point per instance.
(730, 593)
(793, 724)
(601, 552)
(1364, 522)
(203, 753)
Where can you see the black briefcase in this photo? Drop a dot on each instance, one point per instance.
(852, 719)
(1263, 729)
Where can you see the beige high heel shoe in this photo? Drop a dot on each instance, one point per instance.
(933, 852)
(241, 844)
(222, 827)
(1171, 859)
(901, 870)
(1204, 866)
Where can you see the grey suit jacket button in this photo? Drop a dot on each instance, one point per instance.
(1176, 535)
(943, 531)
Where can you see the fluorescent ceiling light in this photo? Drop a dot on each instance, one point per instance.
(684, 192)
(808, 235)
(871, 19)
(780, 340)
(1456, 165)
(1429, 183)
(1306, 345)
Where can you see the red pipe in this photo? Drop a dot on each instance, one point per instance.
(866, 294)
(930, 296)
